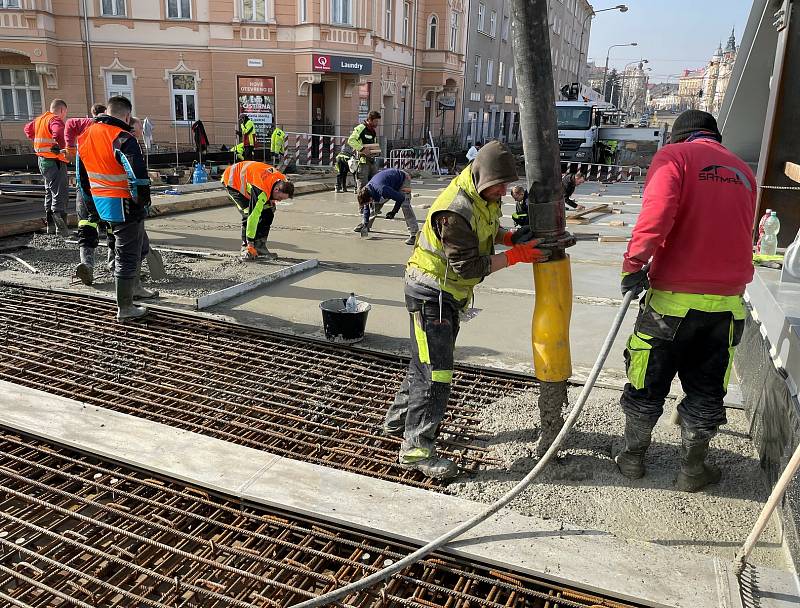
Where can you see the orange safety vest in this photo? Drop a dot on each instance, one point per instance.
(107, 176)
(43, 140)
(240, 176)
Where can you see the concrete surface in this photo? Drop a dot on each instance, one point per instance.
(656, 576)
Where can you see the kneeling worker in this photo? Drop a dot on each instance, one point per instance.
(255, 188)
(453, 253)
(113, 179)
(391, 184)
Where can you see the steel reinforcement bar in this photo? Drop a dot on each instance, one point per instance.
(79, 531)
(293, 397)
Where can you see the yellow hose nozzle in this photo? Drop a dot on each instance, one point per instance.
(551, 316)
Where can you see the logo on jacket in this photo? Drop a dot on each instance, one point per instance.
(722, 174)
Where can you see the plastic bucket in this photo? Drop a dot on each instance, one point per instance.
(341, 326)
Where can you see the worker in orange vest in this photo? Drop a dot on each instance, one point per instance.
(255, 188)
(113, 178)
(47, 134)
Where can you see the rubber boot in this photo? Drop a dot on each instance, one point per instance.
(51, 225)
(85, 270)
(630, 461)
(61, 224)
(438, 468)
(696, 473)
(126, 311)
(261, 248)
(139, 291)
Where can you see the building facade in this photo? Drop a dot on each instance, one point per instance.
(717, 75)
(690, 86)
(490, 108)
(304, 65)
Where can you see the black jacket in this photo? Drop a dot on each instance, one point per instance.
(568, 182)
(520, 215)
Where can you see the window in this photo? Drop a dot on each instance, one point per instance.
(489, 70)
(481, 17)
(406, 20)
(9, 3)
(254, 10)
(184, 97)
(179, 9)
(110, 8)
(504, 29)
(453, 32)
(119, 83)
(302, 12)
(387, 20)
(500, 73)
(433, 26)
(493, 24)
(20, 94)
(477, 68)
(341, 11)
(510, 76)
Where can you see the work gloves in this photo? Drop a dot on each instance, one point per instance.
(636, 282)
(526, 253)
(250, 252)
(515, 237)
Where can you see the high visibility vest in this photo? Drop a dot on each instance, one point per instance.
(278, 141)
(109, 180)
(249, 133)
(43, 141)
(242, 176)
(428, 264)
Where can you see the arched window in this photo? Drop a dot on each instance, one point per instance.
(433, 27)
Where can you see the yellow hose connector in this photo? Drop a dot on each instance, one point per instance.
(551, 316)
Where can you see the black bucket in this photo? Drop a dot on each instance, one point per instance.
(341, 326)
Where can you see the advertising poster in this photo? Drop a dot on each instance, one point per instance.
(363, 100)
(256, 95)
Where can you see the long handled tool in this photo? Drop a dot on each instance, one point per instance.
(769, 507)
(438, 543)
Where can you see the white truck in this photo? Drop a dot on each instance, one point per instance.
(594, 132)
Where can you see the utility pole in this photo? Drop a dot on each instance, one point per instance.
(552, 279)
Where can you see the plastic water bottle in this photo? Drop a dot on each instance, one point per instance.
(352, 303)
(769, 242)
(763, 219)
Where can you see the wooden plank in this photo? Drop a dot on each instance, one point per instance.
(589, 210)
(240, 288)
(611, 238)
(792, 171)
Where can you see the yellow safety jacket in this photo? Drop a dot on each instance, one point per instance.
(277, 141)
(428, 264)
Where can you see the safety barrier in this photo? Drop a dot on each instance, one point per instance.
(414, 159)
(603, 173)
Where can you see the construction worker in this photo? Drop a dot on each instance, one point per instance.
(277, 145)
(47, 134)
(89, 222)
(520, 215)
(255, 188)
(113, 177)
(246, 130)
(388, 184)
(343, 167)
(238, 152)
(695, 230)
(453, 253)
(473, 151)
(569, 181)
(364, 143)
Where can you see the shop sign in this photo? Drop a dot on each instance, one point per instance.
(256, 96)
(341, 64)
(255, 63)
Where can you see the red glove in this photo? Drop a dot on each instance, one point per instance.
(507, 238)
(526, 253)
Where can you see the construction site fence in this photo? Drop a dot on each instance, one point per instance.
(415, 159)
(604, 173)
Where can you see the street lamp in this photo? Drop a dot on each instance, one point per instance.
(605, 72)
(620, 7)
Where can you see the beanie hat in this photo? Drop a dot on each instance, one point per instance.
(692, 121)
(493, 165)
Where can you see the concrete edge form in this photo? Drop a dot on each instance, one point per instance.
(596, 561)
(233, 291)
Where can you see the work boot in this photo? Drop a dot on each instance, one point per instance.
(358, 228)
(390, 215)
(695, 473)
(155, 264)
(139, 291)
(85, 270)
(630, 461)
(126, 311)
(411, 240)
(365, 231)
(430, 466)
(50, 224)
(61, 224)
(391, 431)
(261, 248)
(110, 260)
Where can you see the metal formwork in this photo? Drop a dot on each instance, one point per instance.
(293, 397)
(78, 531)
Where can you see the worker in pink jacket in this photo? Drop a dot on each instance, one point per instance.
(696, 232)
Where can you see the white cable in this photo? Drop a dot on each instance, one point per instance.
(438, 543)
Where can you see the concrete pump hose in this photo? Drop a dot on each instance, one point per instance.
(438, 543)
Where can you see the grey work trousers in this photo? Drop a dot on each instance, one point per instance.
(131, 247)
(420, 403)
(56, 185)
(366, 171)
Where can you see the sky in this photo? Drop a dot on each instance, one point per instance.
(671, 34)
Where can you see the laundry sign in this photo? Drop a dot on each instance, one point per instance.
(341, 64)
